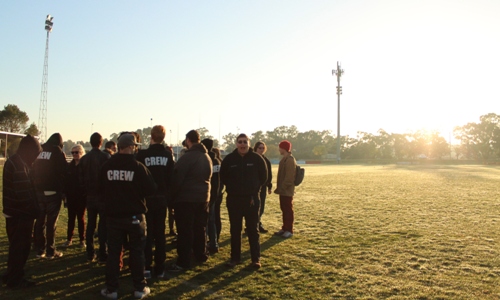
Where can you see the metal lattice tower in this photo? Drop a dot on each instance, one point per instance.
(42, 114)
(339, 72)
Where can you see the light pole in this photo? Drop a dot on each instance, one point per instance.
(42, 115)
(338, 73)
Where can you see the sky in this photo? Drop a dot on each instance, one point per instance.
(245, 66)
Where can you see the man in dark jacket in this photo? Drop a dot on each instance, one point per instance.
(20, 208)
(91, 164)
(125, 183)
(160, 163)
(213, 238)
(243, 172)
(191, 194)
(50, 170)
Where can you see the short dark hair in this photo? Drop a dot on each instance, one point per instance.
(96, 140)
(109, 144)
(193, 136)
(242, 135)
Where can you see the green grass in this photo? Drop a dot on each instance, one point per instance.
(362, 232)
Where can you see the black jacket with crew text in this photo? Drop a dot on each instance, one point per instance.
(125, 183)
(160, 163)
(50, 166)
(243, 175)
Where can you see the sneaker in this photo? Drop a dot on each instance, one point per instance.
(142, 294)
(56, 254)
(83, 245)
(262, 229)
(92, 258)
(256, 264)
(160, 275)
(40, 254)
(68, 243)
(287, 234)
(280, 233)
(174, 268)
(110, 295)
(233, 263)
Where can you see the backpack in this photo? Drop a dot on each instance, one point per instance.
(299, 175)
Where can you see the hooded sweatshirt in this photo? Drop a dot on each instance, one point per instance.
(50, 166)
(19, 197)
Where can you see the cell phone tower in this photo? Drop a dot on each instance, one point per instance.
(42, 114)
(338, 72)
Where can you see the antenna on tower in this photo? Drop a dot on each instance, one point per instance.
(42, 115)
(338, 72)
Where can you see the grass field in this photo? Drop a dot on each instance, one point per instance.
(362, 232)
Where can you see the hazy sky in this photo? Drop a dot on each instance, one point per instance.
(244, 66)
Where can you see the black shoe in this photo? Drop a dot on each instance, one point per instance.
(174, 268)
(233, 263)
(92, 258)
(262, 229)
(23, 284)
(213, 250)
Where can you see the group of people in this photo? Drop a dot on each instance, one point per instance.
(127, 193)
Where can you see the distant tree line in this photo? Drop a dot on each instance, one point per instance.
(478, 141)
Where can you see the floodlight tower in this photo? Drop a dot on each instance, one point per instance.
(42, 114)
(338, 73)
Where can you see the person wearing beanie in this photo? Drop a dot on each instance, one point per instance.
(285, 188)
(243, 172)
(50, 170)
(213, 244)
(20, 208)
(191, 195)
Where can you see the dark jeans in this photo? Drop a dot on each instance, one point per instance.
(171, 218)
(19, 231)
(286, 205)
(135, 230)
(191, 220)
(263, 195)
(239, 207)
(218, 221)
(46, 223)
(95, 209)
(213, 237)
(76, 211)
(156, 216)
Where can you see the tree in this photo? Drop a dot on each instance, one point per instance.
(480, 140)
(12, 119)
(32, 130)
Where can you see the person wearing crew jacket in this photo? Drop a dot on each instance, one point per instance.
(243, 172)
(20, 208)
(126, 183)
(160, 163)
(192, 174)
(91, 164)
(50, 169)
(213, 244)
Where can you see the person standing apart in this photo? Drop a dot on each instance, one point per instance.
(126, 183)
(75, 198)
(91, 164)
(160, 163)
(50, 169)
(20, 208)
(261, 148)
(285, 188)
(243, 172)
(191, 194)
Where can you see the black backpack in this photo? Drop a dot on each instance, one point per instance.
(299, 175)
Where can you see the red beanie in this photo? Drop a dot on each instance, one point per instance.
(286, 145)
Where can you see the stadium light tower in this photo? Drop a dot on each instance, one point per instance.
(42, 114)
(338, 73)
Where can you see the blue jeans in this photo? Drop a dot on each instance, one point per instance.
(46, 223)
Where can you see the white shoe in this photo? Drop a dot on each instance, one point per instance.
(108, 294)
(142, 294)
(287, 234)
(279, 232)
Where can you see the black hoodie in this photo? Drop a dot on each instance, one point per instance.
(50, 166)
(19, 198)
